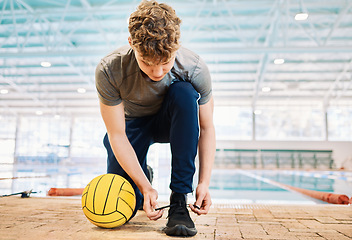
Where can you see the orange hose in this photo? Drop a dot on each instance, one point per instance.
(65, 191)
(324, 196)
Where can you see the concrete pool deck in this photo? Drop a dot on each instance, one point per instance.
(62, 218)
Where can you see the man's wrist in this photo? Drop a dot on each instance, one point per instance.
(146, 188)
(204, 183)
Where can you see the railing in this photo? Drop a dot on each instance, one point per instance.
(274, 158)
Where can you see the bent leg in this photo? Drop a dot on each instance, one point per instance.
(138, 133)
(177, 123)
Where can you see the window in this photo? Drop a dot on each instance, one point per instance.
(290, 123)
(340, 124)
(87, 138)
(7, 139)
(43, 139)
(233, 123)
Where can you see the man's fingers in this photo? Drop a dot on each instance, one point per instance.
(199, 200)
(147, 208)
(199, 203)
(150, 204)
(202, 205)
(202, 210)
(206, 208)
(155, 215)
(152, 214)
(194, 209)
(154, 204)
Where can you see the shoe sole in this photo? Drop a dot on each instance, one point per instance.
(180, 230)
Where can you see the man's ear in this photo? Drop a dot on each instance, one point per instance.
(130, 40)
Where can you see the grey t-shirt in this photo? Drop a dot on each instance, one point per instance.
(119, 79)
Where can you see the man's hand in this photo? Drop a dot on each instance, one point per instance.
(203, 200)
(150, 203)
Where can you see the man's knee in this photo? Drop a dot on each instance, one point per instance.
(183, 92)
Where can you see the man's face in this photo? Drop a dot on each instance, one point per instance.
(155, 72)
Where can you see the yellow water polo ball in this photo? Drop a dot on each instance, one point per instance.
(108, 201)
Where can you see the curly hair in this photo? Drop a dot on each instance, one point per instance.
(155, 31)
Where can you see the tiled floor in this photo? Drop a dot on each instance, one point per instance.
(62, 218)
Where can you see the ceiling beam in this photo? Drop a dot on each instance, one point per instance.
(333, 88)
(214, 49)
(337, 22)
(263, 63)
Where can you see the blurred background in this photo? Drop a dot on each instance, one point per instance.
(282, 85)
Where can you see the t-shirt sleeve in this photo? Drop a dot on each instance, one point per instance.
(107, 90)
(201, 81)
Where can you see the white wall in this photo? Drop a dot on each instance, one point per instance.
(342, 151)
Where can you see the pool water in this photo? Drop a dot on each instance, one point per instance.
(264, 186)
(227, 185)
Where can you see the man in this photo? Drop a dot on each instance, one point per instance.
(151, 91)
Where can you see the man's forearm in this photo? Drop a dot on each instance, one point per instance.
(207, 148)
(128, 160)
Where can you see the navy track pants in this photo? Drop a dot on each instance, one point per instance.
(175, 123)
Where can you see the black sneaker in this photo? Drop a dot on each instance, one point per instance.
(179, 222)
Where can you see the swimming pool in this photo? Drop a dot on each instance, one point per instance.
(228, 186)
(258, 186)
